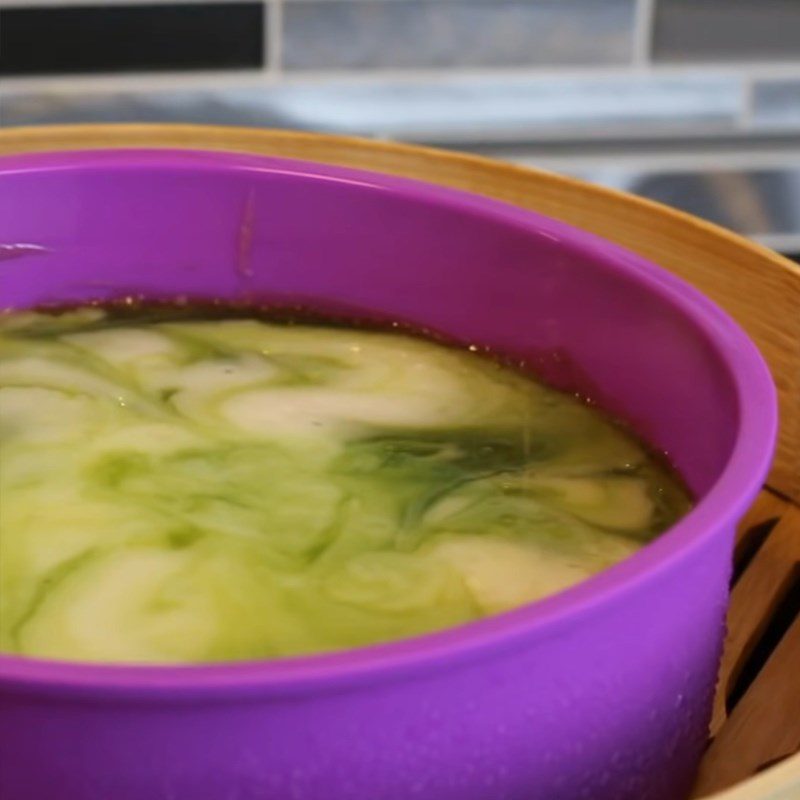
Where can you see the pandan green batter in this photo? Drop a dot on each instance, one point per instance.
(189, 490)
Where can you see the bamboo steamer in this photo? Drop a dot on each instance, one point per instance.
(755, 732)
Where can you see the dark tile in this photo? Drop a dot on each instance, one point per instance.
(727, 30)
(126, 38)
(350, 34)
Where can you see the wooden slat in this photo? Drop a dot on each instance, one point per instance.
(768, 507)
(758, 593)
(756, 286)
(764, 726)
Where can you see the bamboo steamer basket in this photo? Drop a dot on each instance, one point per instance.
(754, 742)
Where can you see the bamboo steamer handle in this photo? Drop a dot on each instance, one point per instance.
(759, 288)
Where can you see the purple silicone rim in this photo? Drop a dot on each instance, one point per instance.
(723, 503)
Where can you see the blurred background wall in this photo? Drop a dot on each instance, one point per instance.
(692, 102)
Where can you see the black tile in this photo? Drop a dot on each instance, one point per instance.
(150, 37)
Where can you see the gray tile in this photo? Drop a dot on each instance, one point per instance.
(727, 30)
(353, 34)
(776, 103)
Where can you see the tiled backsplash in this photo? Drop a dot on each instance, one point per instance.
(435, 70)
